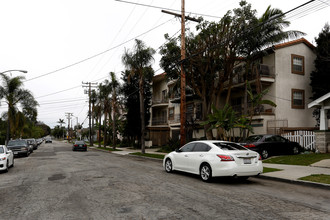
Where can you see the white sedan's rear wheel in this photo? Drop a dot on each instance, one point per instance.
(168, 165)
(205, 172)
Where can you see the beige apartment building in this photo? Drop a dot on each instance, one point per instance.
(284, 71)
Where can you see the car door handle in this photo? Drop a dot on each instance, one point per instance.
(185, 155)
(201, 155)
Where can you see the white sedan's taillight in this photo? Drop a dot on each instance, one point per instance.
(225, 157)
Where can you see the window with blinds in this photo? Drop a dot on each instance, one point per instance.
(298, 99)
(297, 64)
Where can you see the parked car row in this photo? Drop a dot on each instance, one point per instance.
(17, 147)
(213, 158)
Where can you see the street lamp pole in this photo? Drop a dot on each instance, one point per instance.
(8, 123)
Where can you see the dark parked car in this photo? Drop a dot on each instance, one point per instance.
(20, 147)
(270, 145)
(79, 145)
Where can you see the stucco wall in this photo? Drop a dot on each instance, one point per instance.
(280, 91)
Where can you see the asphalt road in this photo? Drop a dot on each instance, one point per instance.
(57, 183)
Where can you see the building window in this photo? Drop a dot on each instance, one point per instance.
(297, 64)
(164, 96)
(171, 113)
(298, 98)
(199, 111)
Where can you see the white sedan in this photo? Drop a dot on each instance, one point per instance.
(214, 158)
(6, 158)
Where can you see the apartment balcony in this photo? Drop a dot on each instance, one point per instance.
(160, 102)
(189, 118)
(156, 121)
(264, 73)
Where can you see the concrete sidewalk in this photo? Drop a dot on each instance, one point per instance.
(292, 173)
(288, 173)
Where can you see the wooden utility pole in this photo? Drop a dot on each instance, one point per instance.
(68, 116)
(183, 75)
(183, 79)
(89, 86)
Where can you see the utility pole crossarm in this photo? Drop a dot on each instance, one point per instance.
(179, 15)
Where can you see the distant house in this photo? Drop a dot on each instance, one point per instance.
(284, 71)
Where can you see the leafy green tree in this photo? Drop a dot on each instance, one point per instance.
(320, 77)
(130, 92)
(138, 62)
(14, 94)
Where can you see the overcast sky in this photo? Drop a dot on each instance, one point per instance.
(62, 43)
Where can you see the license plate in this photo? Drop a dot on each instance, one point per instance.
(15, 152)
(247, 161)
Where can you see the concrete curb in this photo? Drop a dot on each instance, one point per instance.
(298, 182)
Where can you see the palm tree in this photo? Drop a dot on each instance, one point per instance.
(106, 107)
(114, 86)
(61, 121)
(14, 94)
(139, 62)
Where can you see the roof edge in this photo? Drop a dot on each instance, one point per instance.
(294, 42)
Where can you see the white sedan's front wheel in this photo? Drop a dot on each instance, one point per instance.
(168, 165)
(206, 172)
(7, 166)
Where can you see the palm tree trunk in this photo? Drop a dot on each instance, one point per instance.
(100, 118)
(114, 119)
(8, 127)
(142, 114)
(105, 130)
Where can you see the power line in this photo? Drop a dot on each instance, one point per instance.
(98, 54)
(163, 8)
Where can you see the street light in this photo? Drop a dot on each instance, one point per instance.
(8, 125)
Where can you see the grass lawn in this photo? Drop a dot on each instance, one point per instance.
(108, 149)
(158, 156)
(320, 178)
(267, 170)
(300, 159)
